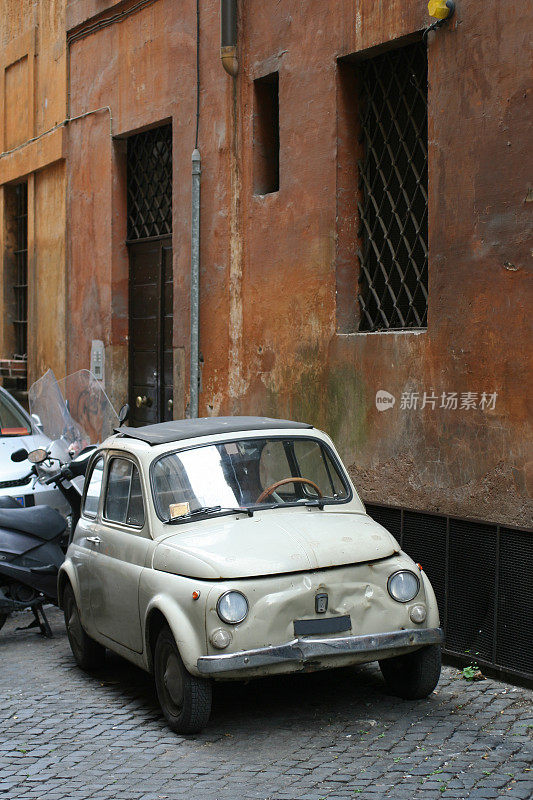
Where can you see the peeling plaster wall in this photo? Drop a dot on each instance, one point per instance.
(269, 312)
(470, 463)
(143, 68)
(33, 101)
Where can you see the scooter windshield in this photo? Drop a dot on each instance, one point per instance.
(89, 405)
(74, 410)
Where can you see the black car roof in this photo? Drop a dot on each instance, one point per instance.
(179, 429)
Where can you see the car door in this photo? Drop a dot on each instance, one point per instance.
(81, 549)
(120, 554)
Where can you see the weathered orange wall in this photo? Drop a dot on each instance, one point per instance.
(48, 318)
(269, 311)
(32, 103)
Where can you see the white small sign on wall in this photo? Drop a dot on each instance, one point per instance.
(98, 359)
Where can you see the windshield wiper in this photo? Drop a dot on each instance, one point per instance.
(208, 510)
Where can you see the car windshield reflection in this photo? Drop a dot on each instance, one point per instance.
(245, 474)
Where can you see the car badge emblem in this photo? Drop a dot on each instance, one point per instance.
(321, 603)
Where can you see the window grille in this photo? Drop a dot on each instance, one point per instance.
(20, 287)
(393, 290)
(149, 181)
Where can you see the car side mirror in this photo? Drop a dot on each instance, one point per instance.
(19, 455)
(123, 414)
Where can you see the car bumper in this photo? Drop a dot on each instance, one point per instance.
(304, 650)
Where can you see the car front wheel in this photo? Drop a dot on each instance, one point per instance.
(88, 654)
(184, 699)
(413, 675)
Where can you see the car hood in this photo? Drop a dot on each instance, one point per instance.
(10, 470)
(272, 542)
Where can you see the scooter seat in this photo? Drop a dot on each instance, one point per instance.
(42, 522)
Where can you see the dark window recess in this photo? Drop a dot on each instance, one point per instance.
(481, 574)
(20, 287)
(266, 134)
(393, 292)
(149, 181)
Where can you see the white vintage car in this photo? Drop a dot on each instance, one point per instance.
(237, 547)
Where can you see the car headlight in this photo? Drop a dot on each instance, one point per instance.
(232, 607)
(403, 586)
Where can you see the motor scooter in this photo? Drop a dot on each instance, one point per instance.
(33, 542)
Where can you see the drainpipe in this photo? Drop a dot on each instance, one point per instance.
(228, 36)
(195, 280)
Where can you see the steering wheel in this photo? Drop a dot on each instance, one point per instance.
(276, 485)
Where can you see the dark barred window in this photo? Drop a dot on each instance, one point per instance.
(20, 286)
(393, 290)
(149, 182)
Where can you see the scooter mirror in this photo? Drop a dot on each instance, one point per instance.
(37, 456)
(19, 455)
(123, 414)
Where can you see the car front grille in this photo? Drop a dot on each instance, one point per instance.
(18, 482)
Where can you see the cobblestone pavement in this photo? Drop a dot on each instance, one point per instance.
(331, 735)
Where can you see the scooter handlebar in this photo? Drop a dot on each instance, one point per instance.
(68, 472)
(53, 479)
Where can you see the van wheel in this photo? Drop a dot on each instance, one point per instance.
(89, 655)
(185, 700)
(414, 675)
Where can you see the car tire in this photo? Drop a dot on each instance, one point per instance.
(415, 675)
(185, 700)
(88, 654)
(3, 618)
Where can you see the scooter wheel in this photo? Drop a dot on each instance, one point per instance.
(89, 655)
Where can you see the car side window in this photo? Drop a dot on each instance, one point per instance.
(124, 501)
(92, 496)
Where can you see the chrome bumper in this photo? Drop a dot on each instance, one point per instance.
(304, 650)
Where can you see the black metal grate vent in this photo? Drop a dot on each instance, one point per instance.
(149, 181)
(471, 573)
(514, 646)
(21, 266)
(482, 580)
(393, 178)
(424, 539)
(390, 518)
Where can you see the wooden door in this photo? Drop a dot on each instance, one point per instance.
(150, 331)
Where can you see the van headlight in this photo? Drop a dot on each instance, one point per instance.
(403, 586)
(232, 607)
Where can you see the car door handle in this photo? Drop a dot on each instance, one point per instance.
(94, 539)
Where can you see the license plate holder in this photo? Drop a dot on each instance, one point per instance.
(322, 625)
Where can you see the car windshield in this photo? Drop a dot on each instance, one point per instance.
(245, 474)
(12, 422)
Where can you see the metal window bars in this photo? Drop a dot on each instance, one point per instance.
(393, 291)
(20, 287)
(149, 183)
